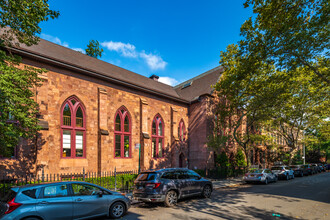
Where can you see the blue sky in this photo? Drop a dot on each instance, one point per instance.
(176, 40)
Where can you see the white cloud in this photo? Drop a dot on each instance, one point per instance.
(126, 50)
(57, 40)
(79, 50)
(168, 80)
(153, 61)
(53, 39)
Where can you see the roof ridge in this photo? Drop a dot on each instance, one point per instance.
(75, 51)
(198, 76)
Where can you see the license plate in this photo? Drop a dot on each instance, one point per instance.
(252, 175)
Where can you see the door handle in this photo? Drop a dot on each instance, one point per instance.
(79, 200)
(43, 203)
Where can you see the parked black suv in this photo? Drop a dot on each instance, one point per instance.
(299, 170)
(169, 185)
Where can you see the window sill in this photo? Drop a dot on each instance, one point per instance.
(73, 158)
(123, 157)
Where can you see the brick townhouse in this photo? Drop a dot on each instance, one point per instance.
(97, 116)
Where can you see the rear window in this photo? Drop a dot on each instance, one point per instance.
(30, 193)
(146, 176)
(276, 168)
(9, 196)
(294, 166)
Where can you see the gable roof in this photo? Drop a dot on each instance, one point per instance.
(199, 85)
(50, 52)
(64, 55)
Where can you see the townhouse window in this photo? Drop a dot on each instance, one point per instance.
(122, 133)
(73, 129)
(182, 131)
(157, 137)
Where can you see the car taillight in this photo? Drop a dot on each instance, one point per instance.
(260, 175)
(283, 170)
(246, 174)
(12, 206)
(153, 185)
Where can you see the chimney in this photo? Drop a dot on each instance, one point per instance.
(154, 77)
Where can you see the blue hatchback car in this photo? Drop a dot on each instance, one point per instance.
(62, 200)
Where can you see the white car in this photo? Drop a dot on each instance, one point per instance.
(283, 171)
(260, 175)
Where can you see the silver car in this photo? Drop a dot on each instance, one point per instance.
(284, 172)
(62, 200)
(260, 175)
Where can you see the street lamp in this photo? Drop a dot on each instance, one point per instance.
(304, 157)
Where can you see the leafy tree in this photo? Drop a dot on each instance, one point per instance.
(318, 142)
(240, 158)
(93, 49)
(219, 120)
(222, 160)
(19, 22)
(279, 72)
(289, 34)
(250, 94)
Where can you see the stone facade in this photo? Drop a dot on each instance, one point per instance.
(101, 101)
(101, 93)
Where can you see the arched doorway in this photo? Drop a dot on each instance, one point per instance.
(181, 160)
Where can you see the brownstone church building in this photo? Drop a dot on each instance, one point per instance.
(97, 116)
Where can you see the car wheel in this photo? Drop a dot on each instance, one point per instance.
(266, 181)
(287, 177)
(171, 198)
(117, 210)
(207, 190)
(31, 218)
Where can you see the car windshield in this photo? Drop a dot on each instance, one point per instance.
(255, 171)
(146, 176)
(276, 168)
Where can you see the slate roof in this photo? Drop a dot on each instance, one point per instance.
(62, 55)
(199, 85)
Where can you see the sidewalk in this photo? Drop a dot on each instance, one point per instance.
(228, 182)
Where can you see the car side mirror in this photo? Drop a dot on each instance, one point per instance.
(100, 193)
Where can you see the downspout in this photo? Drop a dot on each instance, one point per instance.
(98, 133)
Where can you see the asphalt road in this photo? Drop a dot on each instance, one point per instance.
(301, 198)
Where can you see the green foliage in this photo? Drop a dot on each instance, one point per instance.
(278, 74)
(200, 172)
(19, 110)
(23, 18)
(318, 142)
(19, 22)
(222, 160)
(289, 34)
(240, 159)
(93, 49)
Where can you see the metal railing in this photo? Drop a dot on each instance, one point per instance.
(122, 181)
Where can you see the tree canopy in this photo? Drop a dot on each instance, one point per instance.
(93, 49)
(278, 74)
(289, 34)
(19, 22)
